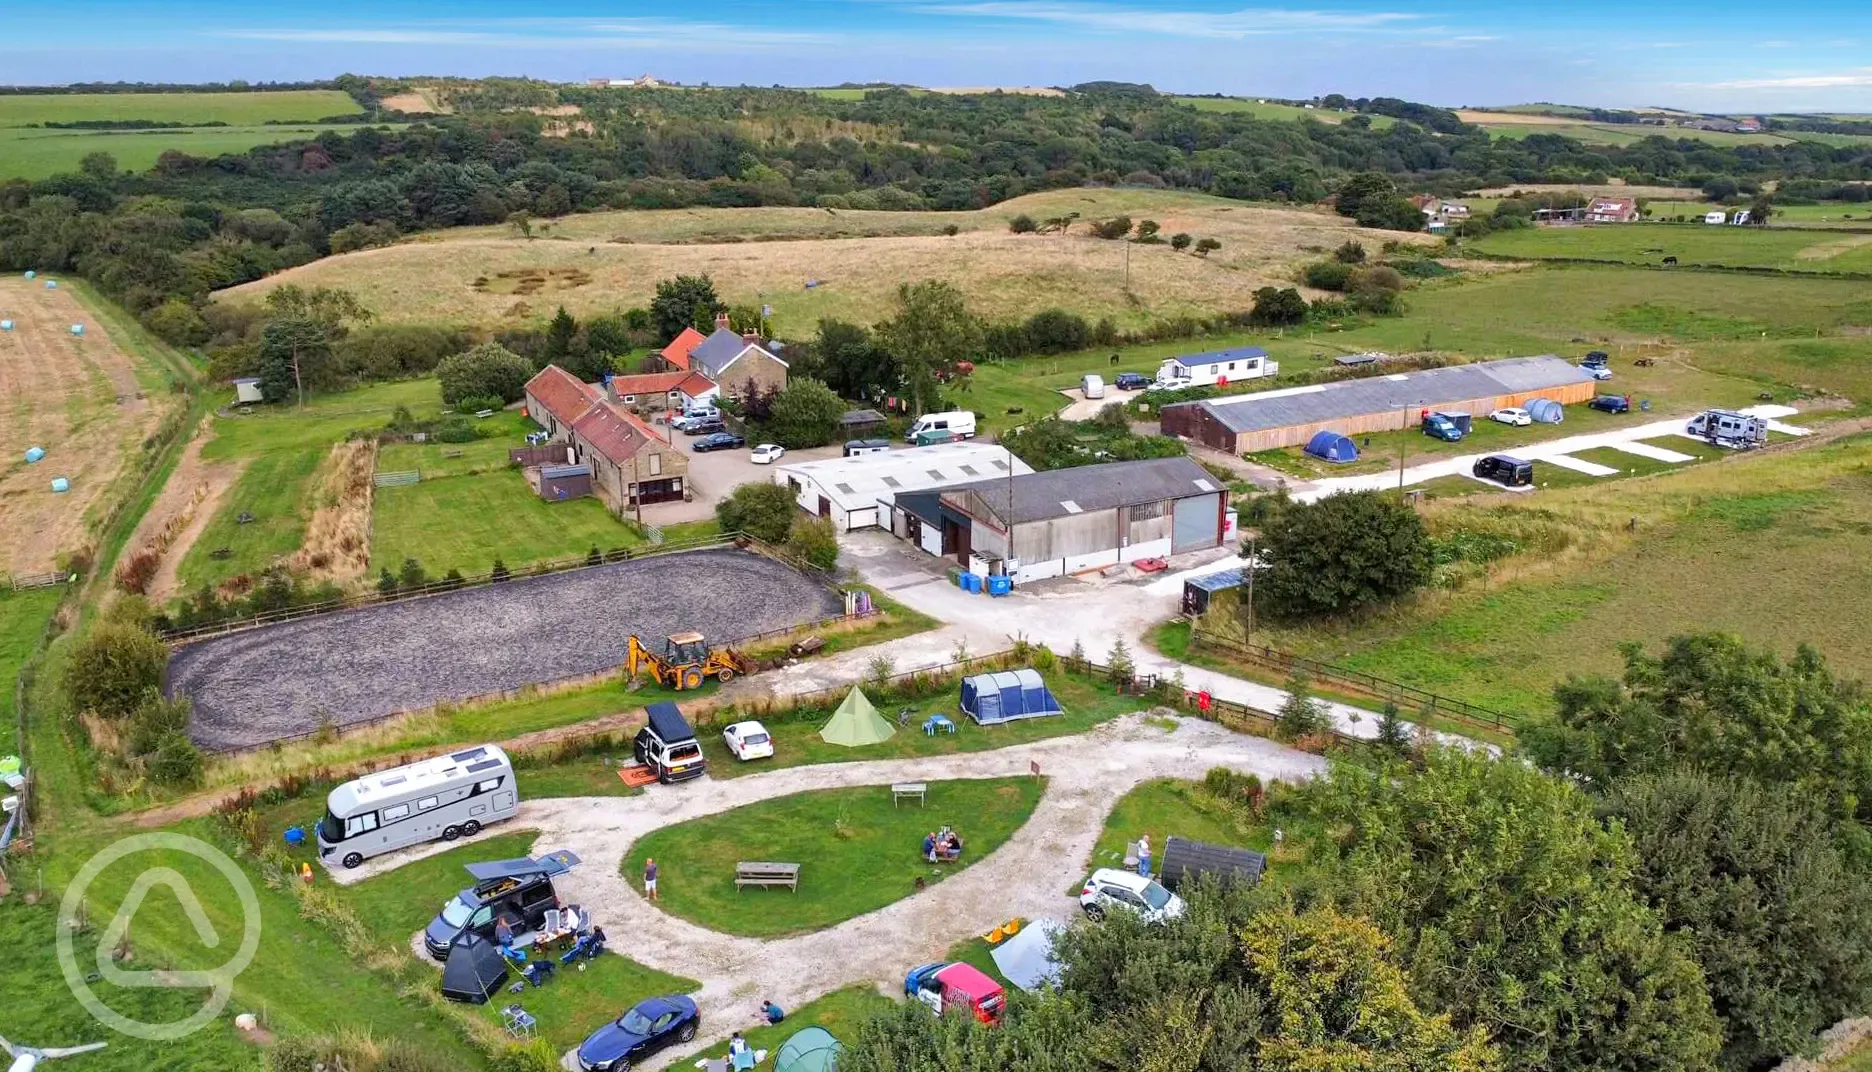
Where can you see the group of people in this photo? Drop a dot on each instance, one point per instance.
(944, 844)
(588, 940)
(740, 1055)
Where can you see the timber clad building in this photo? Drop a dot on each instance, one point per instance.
(1068, 520)
(1269, 420)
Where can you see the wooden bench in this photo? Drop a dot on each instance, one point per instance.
(766, 874)
(899, 791)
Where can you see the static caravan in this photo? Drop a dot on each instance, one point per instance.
(1216, 368)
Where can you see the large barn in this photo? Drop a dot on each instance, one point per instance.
(857, 492)
(1068, 520)
(1268, 420)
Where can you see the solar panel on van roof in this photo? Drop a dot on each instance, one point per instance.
(472, 753)
(486, 764)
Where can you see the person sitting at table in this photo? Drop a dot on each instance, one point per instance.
(929, 846)
(954, 846)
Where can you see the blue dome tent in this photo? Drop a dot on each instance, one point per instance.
(1332, 446)
(1004, 697)
(1546, 410)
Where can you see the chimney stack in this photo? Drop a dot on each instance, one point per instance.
(721, 321)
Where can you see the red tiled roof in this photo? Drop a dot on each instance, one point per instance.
(677, 352)
(564, 395)
(695, 385)
(610, 432)
(650, 383)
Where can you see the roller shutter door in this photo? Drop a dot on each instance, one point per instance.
(1195, 525)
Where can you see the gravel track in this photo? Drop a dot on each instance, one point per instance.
(253, 687)
(1027, 876)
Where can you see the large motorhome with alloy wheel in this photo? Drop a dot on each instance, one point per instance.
(444, 798)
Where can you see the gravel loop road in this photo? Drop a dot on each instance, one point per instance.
(1028, 876)
(253, 687)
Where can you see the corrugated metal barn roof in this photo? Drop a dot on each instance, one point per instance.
(1062, 492)
(1425, 389)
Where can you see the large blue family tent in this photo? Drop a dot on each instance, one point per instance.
(1006, 696)
(1546, 410)
(1332, 446)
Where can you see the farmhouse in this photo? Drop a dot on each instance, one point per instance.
(857, 492)
(1068, 520)
(1612, 210)
(675, 355)
(1214, 368)
(655, 392)
(1268, 420)
(734, 360)
(628, 464)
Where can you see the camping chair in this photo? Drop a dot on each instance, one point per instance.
(539, 972)
(514, 956)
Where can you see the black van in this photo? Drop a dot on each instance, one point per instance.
(668, 746)
(1502, 469)
(519, 891)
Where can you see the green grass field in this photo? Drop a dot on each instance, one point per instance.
(284, 106)
(465, 522)
(1761, 546)
(1691, 244)
(1631, 134)
(1275, 110)
(1167, 806)
(857, 850)
(31, 153)
(396, 904)
(1087, 702)
(23, 618)
(1824, 214)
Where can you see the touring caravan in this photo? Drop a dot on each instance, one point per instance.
(445, 797)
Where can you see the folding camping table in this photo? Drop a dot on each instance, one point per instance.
(518, 1022)
(937, 722)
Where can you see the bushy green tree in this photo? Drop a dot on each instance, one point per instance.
(113, 668)
(931, 330)
(1275, 306)
(1363, 187)
(685, 301)
(1352, 251)
(1756, 880)
(1300, 714)
(1022, 224)
(851, 363)
(761, 509)
(1342, 554)
(1711, 703)
(805, 414)
(1181, 241)
(488, 370)
(812, 541)
(1513, 907)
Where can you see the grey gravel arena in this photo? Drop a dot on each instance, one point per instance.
(264, 684)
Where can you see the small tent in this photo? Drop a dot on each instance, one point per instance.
(856, 723)
(474, 970)
(1003, 697)
(810, 1050)
(1332, 447)
(1546, 410)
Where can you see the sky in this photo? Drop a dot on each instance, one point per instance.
(1710, 55)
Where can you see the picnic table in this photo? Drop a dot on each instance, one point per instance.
(937, 722)
(900, 790)
(766, 874)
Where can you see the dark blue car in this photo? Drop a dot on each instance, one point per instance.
(647, 1027)
(718, 441)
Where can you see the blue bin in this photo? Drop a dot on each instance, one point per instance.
(1000, 586)
(972, 582)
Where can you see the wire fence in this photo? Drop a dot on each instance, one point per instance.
(189, 634)
(1430, 704)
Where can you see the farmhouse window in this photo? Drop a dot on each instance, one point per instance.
(397, 812)
(656, 464)
(426, 803)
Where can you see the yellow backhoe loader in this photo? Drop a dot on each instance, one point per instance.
(685, 661)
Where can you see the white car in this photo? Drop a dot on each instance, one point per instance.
(1110, 888)
(748, 740)
(1598, 372)
(767, 453)
(1514, 415)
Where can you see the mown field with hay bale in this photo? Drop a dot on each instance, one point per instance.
(853, 261)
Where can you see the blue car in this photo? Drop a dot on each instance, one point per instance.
(645, 1028)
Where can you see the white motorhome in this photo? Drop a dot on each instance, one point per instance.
(959, 423)
(445, 797)
(1217, 368)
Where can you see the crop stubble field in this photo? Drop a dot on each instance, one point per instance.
(1003, 274)
(84, 399)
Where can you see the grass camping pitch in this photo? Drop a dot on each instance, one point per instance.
(858, 852)
(1691, 244)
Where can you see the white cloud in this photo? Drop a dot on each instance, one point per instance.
(1248, 22)
(556, 33)
(1859, 76)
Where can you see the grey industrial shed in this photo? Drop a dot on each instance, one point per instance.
(1267, 420)
(1087, 517)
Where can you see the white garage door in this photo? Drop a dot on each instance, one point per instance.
(1196, 523)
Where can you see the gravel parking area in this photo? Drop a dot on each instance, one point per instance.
(258, 686)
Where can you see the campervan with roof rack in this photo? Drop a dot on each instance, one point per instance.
(444, 797)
